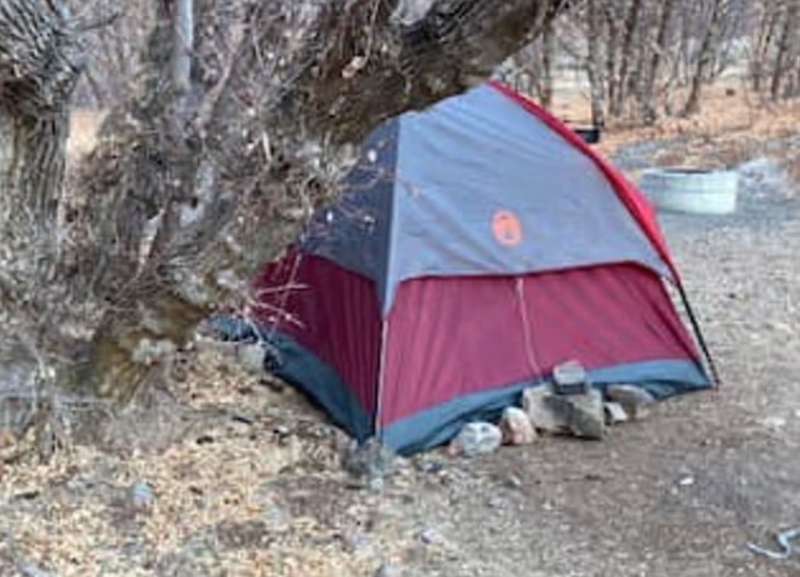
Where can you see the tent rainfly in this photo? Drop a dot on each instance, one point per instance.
(478, 245)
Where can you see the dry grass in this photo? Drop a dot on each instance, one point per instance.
(732, 117)
(253, 487)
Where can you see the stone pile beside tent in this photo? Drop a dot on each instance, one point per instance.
(544, 411)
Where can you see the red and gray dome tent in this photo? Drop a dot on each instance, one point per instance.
(479, 244)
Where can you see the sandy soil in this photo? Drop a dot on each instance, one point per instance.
(255, 486)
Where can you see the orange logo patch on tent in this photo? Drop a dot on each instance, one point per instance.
(507, 228)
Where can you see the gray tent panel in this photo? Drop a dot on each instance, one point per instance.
(481, 156)
(476, 185)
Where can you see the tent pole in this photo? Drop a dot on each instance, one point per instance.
(699, 335)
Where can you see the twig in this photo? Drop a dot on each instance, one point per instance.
(101, 22)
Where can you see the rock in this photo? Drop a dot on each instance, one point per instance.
(476, 439)
(375, 484)
(615, 413)
(517, 427)
(359, 544)
(588, 417)
(370, 462)
(774, 422)
(142, 496)
(240, 535)
(540, 414)
(634, 400)
(388, 571)
(276, 517)
(431, 537)
(584, 414)
(429, 466)
(495, 502)
(281, 433)
(570, 378)
(251, 357)
(28, 570)
(513, 482)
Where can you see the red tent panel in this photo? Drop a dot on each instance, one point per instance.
(330, 311)
(451, 337)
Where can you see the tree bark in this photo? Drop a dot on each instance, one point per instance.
(612, 50)
(648, 96)
(626, 57)
(184, 198)
(39, 65)
(766, 32)
(594, 64)
(791, 20)
(705, 60)
(548, 56)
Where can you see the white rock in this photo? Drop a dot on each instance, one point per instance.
(615, 413)
(516, 427)
(476, 439)
(774, 422)
(431, 537)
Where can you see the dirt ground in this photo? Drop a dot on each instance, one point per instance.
(255, 485)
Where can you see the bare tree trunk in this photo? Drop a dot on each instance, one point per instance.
(38, 72)
(763, 43)
(594, 64)
(648, 96)
(626, 57)
(791, 21)
(548, 55)
(705, 60)
(281, 95)
(612, 50)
